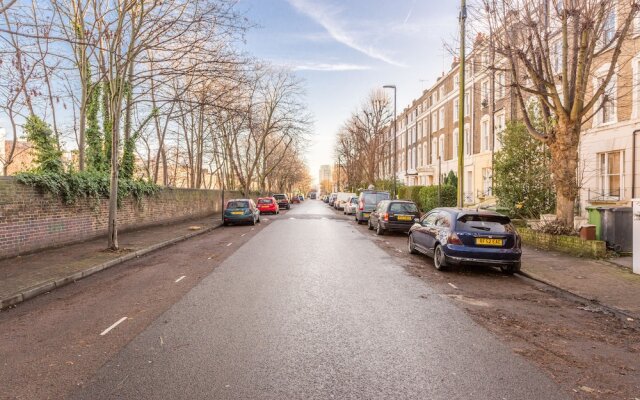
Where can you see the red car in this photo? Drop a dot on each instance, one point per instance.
(268, 205)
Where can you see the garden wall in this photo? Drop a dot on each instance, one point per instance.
(31, 220)
(567, 244)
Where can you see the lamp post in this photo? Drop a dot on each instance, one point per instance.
(395, 137)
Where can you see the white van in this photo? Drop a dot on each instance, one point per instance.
(342, 199)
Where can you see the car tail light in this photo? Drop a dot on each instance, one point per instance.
(386, 216)
(361, 205)
(454, 239)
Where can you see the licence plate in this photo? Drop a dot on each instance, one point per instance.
(366, 215)
(404, 217)
(237, 212)
(488, 242)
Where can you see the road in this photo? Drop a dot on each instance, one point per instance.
(310, 308)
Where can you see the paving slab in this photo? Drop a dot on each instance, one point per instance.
(26, 276)
(597, 280)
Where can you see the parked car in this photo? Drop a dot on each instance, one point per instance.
(351, 206)
(241, 211)
(367, 202)
(332, 199)
(312, 195)
(295, 200)
(283, 201)
(394, 215)
(341, 199)
(301, 197)
(458, 236)
(268, 205)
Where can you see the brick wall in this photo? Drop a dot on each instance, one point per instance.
(566, 244)
(31, 220)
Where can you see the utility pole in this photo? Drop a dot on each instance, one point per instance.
(395, 138)
(461, 107)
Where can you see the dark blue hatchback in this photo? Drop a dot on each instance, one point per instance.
(458, 236)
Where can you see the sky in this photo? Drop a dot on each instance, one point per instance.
(344, 49)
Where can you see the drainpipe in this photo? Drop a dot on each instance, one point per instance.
(633, 164)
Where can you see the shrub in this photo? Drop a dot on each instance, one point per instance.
(71, 186)
(429, 197)
(48, 157)
(522, 179)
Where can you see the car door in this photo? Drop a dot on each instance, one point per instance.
(381, 208)
(442, 228)
(422, 235)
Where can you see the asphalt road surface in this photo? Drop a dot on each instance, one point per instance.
(310, 308)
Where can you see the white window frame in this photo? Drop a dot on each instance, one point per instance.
(468, 141)
(441, 146)
(603, 175)
(467, 103)
(612, 92)
(635, 94)
(454, 145)
(484, 91)
(500, 85)
(434, 150)
(441, 118)
(484, 133)
(456, 109)
(434, 121)
(500, 124)
(487, 181)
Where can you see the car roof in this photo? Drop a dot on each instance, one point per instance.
(230, 200)
(469, 211)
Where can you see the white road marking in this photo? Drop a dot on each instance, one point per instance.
(243, 234)
(399, 251)
(181, 278)
(452, 285)
(121, 320)
(291, 218)
(229, 244)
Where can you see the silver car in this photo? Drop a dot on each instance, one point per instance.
(351, 206)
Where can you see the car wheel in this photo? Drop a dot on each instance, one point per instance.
(253, 221)
(379, 230)
(369, 225)
(225, 224)
(439, 260)
(511, 269)
(412, 246)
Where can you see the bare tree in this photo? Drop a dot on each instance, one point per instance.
(564, 55)
(359, 141)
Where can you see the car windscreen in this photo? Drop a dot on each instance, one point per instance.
(238, 204)
(375, 198)
(264, 201)
(279, 196)
(484, 223)
(403, 208)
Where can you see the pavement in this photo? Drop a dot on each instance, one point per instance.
(610, 283)
(333, 316)
(25, 277)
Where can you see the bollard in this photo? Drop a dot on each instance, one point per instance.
(636, 236)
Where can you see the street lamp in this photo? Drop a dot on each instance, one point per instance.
(395, 136)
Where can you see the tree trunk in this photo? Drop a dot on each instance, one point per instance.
(564, 154)
(82, 128)
(113, 194)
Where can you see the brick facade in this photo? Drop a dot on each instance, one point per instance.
(31, 220)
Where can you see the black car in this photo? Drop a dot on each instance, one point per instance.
(283, 201)
(459, 236)
(394, 215)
